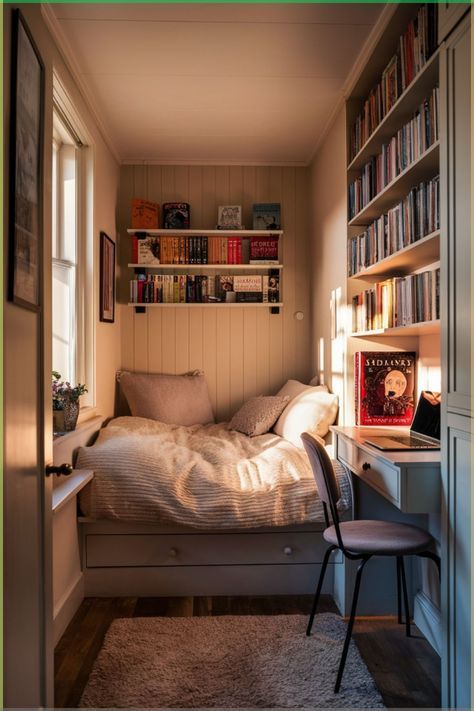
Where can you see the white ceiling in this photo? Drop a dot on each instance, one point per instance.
(232, 83)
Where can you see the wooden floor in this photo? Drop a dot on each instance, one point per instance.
(406, 670)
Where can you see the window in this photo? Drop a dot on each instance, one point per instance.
(72, 257)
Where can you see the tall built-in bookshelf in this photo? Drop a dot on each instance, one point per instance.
(194, 255)
(393, 154)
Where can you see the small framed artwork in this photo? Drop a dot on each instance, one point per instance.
(26, 165)
(107, 279)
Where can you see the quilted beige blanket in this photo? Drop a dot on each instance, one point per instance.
(204, 477)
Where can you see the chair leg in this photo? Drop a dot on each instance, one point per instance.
(435, 558)
(318, 589)
(405, 597)
(355, 596)
(399, 592)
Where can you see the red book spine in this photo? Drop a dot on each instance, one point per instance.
(238, 244)
(229, 251)
(140, 292)
(356, 387)
(134, 250)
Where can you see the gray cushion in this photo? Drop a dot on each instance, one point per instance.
(380, 537)
(258, 415)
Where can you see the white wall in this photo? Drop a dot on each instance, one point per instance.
(243, 351)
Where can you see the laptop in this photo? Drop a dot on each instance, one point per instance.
(424, 430)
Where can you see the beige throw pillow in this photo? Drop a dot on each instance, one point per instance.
(313, 410)
(292, 388)
(258, 415)
(172, 399)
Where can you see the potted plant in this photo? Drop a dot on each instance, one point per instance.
(65, 403)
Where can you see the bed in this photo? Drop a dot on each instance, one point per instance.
(201, 510)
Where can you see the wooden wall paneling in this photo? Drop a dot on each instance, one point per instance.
(250, 353)
(140, 341)
(182, 339)
(221, 188)
(167, 183)
(195, 198)
(140, 181)
(262, 346)
(168, 340)
(236, 363)
(223, 370)
(209, 204)
(288, 208)
(196, 358)
(128, 338)
(155, 328)
(154, 186)
(301, 278)
(210, 352)
(181, 183)
(249, 194)
(126, 190)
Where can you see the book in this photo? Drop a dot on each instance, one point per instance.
(266, 216)
(148, 250)
(224, 283)
(248, 283)
(263, 250)
(176, 215)
(229, 217)
(384, 387)
(144, 214)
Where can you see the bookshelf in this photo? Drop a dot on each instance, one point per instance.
(193, 270)
(422, 253)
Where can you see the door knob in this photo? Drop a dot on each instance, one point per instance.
(65, 469)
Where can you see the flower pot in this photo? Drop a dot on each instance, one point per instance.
(58, 420)
(71, 413)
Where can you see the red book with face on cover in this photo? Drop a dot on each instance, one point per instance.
(385, 387)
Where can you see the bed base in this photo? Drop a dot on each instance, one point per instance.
(146, 561)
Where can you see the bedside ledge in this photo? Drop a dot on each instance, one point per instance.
(65, 445)
(67, 487)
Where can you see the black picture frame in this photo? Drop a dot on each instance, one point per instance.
(107, 279)
(25, 251)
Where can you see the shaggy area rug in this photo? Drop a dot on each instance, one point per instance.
(223, 662)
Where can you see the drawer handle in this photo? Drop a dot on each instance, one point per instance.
(365, 466)
(288, 550)
(172, 552)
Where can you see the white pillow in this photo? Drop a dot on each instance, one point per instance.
(313, 410)
(293, 388)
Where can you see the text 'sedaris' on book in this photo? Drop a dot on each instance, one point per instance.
(384, 383)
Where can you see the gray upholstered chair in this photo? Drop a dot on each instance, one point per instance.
(360, 540)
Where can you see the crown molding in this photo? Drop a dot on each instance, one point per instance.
(64, 49)
(218, 163)
(351, 79)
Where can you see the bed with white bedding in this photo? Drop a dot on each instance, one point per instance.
(203, 477)
(201, 510)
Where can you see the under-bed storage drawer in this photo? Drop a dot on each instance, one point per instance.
(141, 550)
(379, 474)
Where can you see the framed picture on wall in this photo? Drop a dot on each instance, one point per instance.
(107, 279)
(26, 165)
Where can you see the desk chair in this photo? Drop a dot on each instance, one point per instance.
(360, 540)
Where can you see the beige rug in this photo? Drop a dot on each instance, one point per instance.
(223, 662)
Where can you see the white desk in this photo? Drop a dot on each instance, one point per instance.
(410, 480)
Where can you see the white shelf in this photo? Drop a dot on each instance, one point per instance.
(414, 256)
(425, 167)
(69, 486)
(213, 267)
(400, 113)
(208, 233)
(220, 304)
(416, 329)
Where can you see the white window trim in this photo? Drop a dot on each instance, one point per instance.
(86, 296)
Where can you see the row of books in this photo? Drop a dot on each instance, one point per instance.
(413, 218)
(150, 250)
(401, 301)
(409, 143)
(201, 288)
(415, 47)
(176, 215)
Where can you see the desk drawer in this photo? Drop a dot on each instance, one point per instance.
(142, 550)
(377, 473)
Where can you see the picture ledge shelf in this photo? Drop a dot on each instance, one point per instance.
(216, 233)
(221, 267)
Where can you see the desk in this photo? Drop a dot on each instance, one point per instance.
(410, 480)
